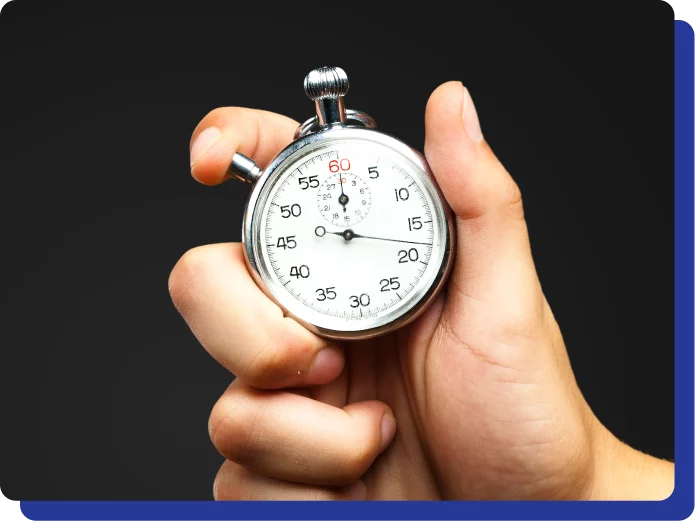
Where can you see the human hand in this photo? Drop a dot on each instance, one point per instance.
(476, 399)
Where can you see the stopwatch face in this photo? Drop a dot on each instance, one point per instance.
(349, 235)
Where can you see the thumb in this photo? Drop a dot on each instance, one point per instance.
(494, 265)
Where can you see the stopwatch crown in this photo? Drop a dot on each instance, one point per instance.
(326, 83)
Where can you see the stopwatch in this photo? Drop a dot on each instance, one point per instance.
(345, 229)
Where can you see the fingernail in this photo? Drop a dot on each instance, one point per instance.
(327, 365)
(388, 429)
(358, 491)
(204, 142)
(470, 118)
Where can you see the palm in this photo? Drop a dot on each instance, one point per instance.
(474, 418)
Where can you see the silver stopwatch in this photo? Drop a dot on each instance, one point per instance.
(345, 229)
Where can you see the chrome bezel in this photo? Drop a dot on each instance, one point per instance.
(252, 234)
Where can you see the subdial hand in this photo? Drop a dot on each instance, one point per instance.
(343, 199)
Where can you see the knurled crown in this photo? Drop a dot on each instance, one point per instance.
(326, 83)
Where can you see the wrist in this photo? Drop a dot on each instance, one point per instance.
(620, 472)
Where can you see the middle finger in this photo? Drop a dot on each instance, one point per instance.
(242, 328)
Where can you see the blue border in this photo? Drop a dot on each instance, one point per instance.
(678, 506)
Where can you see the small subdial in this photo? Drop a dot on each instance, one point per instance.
(344, 199)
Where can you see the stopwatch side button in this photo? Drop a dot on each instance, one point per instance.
(244, 169)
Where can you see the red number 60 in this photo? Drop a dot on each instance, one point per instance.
(334, 166)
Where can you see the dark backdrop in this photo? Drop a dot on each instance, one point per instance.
(106, 393)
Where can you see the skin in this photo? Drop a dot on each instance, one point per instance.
(475, 400)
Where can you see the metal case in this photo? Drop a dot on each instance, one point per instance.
(251, 233)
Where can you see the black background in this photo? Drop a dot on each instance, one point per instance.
(106, 393)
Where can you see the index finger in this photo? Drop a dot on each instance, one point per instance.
(257, 134)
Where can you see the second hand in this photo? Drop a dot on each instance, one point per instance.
(348, 235)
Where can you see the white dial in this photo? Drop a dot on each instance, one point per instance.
(351, 235)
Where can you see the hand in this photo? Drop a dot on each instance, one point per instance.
(474, 400)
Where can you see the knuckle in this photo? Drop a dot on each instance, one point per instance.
(232, 425)
(189, 268)
(353, 463)
(231, 482)
(281, 358)
(520, 325)
(513, 200)
(267, 365)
